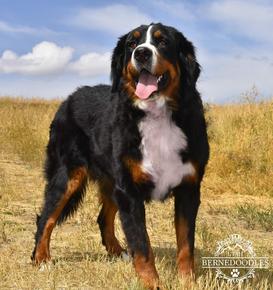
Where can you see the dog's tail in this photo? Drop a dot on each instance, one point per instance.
(73, 203)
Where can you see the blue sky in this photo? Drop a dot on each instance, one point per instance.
(48, 48)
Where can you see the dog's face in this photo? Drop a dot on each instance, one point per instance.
(153, 60)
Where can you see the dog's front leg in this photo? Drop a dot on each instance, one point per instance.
(187, 200)
(132, 215)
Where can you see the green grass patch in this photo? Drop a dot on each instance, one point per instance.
(255, 216)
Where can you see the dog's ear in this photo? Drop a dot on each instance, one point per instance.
(187, 58)
(117, 62)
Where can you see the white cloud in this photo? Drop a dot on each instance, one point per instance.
(92, 64)
(45, 58)
(116, 18)
(48, 58)
(9, 28)
(226, 76)
(6, 27)
(253, 19)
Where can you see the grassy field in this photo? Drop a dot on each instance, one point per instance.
(237, 197)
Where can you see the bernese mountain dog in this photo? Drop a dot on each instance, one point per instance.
(143, 138)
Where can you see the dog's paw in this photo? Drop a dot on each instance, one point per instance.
(125, 256)
(45, 266)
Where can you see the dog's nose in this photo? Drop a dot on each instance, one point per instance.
(143, 54)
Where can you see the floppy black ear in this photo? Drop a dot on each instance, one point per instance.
(188, 58)
(117, 62)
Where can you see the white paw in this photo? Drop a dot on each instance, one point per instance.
(125, 256)
(45, 266)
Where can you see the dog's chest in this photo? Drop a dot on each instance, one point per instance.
(162, 142)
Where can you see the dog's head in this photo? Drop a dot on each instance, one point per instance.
(153, 60)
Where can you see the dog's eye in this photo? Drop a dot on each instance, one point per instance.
(132, 44)
(163, 42)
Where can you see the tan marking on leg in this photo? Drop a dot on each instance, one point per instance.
(145, 268)
(185, 261)
(109, 212)
(192, 178)
(42, 253)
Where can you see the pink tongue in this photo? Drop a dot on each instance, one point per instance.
(147, 84)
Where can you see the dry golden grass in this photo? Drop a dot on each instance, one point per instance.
(241, 139)
(236, 198)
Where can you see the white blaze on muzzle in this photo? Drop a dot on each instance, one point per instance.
(147, 82)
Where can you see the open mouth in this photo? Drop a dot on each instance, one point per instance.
(147, 84)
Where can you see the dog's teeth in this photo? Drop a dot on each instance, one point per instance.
(159, 78)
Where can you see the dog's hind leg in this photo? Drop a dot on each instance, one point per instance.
(63, 193)
(106, 220)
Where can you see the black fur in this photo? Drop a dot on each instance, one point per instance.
(96, 127)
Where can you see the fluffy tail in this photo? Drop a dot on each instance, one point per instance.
(74, 202)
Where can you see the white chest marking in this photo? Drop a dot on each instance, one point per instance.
(162, 141)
